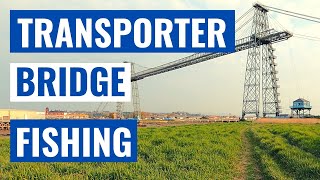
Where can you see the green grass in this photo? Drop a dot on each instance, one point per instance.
(213, 151)
(281, 158)
(305, 137)
(183, 152)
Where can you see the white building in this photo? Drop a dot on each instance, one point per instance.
(7, 114)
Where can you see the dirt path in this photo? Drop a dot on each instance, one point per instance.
(247, 166)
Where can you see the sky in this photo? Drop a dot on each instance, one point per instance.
(212, 87)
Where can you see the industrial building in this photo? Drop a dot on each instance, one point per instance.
(57, 114)
(7, 114)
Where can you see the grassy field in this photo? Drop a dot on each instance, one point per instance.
(287, 151)
(212, 151)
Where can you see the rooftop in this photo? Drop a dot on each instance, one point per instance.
(301, 100)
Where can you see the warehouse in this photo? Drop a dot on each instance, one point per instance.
(7, 114)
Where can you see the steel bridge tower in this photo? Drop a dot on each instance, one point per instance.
(119, 110)
(260, 66)
(135, 98)
(135, 95)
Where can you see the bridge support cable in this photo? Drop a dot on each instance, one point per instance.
(293, 14)
(100, 105)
